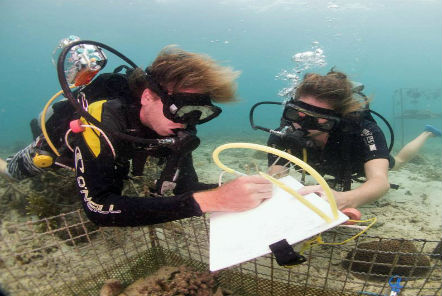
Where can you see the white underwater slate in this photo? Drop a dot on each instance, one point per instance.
(239, 237)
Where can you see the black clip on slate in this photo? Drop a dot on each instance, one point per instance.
(285, 255)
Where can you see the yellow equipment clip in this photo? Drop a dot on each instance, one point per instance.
(42, 159)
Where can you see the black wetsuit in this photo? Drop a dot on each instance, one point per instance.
(100, 177)
(344, 154)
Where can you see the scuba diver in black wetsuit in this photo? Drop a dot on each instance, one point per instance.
(121, 119)
(328, 126)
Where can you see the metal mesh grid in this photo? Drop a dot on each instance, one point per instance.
(76, 259)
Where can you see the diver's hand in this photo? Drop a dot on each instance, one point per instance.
(340, 197)
(238, 195)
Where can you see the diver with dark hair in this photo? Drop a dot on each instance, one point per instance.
(120, 120)
(328, 125)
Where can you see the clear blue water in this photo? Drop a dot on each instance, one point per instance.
(387, 45)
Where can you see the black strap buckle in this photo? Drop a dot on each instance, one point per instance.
(285, 255)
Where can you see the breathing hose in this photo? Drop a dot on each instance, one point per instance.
(291, 158)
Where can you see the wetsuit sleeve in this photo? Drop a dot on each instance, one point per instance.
(100, 183)
(373, 142)
(188, 179)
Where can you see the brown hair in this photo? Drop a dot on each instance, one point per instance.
(334, 88)
(175, 69)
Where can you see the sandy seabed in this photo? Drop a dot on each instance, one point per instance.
(413, 211)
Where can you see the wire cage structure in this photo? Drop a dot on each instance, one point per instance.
(68, 255)
(413, 105)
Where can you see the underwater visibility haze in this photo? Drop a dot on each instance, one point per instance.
(393, 48)
(385, 45)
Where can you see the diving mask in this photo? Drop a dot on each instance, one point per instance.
(311, 117)
(190, 108)
(184, 107)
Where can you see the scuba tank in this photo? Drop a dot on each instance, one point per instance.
(83, 61)
(77, 65)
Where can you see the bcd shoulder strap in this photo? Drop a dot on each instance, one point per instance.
(106, 85)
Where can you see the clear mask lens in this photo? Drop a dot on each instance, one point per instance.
(205, 111)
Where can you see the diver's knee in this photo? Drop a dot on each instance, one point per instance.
(4, 171)
(398, 163)
(3, 167)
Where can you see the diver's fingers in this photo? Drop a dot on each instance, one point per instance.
(311, 189)
(262, 188)
(256, 179)
(263, 195)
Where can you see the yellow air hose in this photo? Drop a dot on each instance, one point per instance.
(43, 121)
(289, 157)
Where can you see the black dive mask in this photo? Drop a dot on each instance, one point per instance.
(190, 108)
(311, 117)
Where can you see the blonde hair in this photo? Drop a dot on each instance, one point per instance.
(175, 69)
(334, 88)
